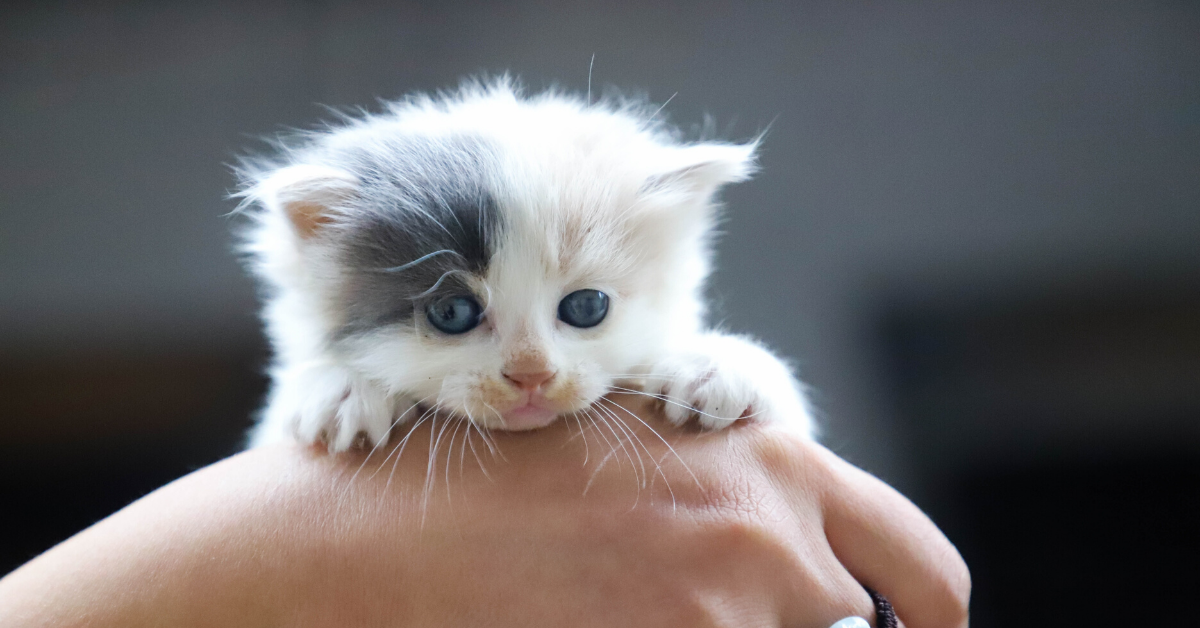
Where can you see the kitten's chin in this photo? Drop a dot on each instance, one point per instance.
(528, 417)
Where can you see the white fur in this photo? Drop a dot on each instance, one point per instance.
(594, 196)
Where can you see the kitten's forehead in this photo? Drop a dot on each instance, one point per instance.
(462, 212)
(423, 222)
(570, 189)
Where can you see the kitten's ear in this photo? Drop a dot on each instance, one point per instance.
(698, 171)
(306, 194)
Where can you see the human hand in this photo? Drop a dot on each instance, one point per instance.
(747, 527)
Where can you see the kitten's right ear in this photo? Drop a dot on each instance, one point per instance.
(697, 171)
(307, 195)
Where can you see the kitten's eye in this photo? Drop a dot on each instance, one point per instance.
(454, 315)
(583, 308)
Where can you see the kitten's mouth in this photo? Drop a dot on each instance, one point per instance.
(528, 417)
(506, 407)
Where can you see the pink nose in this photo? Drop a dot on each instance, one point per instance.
(529, 381)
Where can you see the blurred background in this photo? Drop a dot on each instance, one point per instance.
(977, 229)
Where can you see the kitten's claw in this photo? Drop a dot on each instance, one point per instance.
(724, 379)
(330, 405)
(695, 387)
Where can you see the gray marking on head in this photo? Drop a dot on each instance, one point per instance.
(423, 220)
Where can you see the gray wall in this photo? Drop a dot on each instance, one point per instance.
(918, 152)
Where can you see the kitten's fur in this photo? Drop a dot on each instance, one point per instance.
(517, 201)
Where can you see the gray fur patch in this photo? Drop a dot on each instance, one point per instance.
(422, 221)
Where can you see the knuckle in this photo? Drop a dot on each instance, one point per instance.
(784, 454)
(750, 543)
(956, 592)
(948, 593)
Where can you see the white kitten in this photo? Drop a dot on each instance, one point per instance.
(502, 258)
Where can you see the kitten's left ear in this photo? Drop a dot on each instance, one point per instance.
(307, 195)
(699, 170)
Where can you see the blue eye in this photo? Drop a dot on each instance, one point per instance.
(454, 315)
(583, 308)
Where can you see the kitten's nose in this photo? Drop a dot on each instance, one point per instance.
(529, 380)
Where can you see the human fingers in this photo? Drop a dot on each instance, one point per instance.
(827, 595)
(888, 544)
(885, 615)
(785, 482)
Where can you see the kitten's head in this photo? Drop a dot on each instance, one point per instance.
(504, 257)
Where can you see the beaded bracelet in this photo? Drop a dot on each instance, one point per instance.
(885, 615)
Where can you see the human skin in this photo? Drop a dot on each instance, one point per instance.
(745, 527)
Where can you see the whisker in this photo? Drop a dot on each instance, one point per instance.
(462, 448)
(620, 443)
(437, 283)
(657, 463)
(590, 414)
(591, 64)
(449, 457)
(612, 451)
(434, 444)
(576, 435)
(399, 448)
(670, 449)
(596, 471)
(633, 442)
(403, 442)
(404, 267)
(386, 436)
(493, 446)
(479, 429)
(670, 400)
(659, 436)
(663, 397)
(647, 480)
(400, 445)
(487, 433)
(476, 453)
(586, 452)
(664, 105)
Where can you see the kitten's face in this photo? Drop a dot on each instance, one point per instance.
(507, 278)
(534, 335)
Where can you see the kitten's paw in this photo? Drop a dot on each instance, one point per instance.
(695, 386)
(329, 404)
(724, 379)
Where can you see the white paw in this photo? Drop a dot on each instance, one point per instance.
(696, 387)
(328, 404)
(724, 379)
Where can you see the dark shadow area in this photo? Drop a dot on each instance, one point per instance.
(1056, 434)
(1117, 533)
(99, 431)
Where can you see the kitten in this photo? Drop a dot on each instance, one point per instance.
(502, 258)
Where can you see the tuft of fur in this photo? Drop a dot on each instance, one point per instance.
(515, 201)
